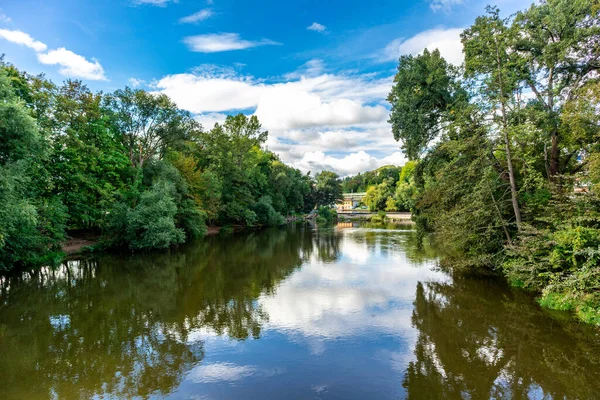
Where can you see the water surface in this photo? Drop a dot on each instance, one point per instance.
(350, 312)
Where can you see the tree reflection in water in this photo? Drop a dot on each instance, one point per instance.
(120, 325)
(126, 326)
(478, 339)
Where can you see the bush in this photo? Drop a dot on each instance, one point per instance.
(159, 215)
(30, 229)
(326, 215)
(152, 223)
(149, 225)
(266, 214)
(562, 260)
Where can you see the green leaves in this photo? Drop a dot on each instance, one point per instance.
(29, 226)
(149, 123)
(423, 99)
(328, 188)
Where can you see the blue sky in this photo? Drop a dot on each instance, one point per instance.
(315, 72)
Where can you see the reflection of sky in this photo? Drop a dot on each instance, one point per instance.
(335, 329)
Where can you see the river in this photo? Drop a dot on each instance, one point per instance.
(355, 311)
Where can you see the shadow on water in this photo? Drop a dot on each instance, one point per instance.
(118, 325)
(126, 326)
(479, 339)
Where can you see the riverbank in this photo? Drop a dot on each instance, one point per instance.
(76, 244)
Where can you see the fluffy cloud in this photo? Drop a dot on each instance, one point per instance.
(197, 17)
(332, 98)
(4, 18)
(436, 5)
(73, 65)
(134, 82)
(315, 120)
(291, 106)
(210, 93)
(446, 40)
(23, 39)
(217, 42)
(347, 165)
(209, 120)
(315, 26)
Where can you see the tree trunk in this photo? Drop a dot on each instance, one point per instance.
(511, 174)
(554, 157)
(554, 152)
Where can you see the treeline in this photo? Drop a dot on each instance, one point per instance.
(387, 188)
(508, 152)
(132, 167)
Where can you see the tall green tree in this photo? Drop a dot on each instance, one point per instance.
(423, 99)
(489, 58)
(148, 123)
(30, 226)
(88, 163)
(558, 42)
(328, 188)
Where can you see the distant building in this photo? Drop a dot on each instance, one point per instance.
(350, 201)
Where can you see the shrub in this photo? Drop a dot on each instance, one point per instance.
(151, 224)
(326, 215)
(266, 214)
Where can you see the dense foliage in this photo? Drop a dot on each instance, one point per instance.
(131, 167)
(507, 149)
(387, 188)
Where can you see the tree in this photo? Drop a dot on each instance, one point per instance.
(489, 57)
(30, 227)
(423, 99)
(148, 123)
(376, 197)
(88, 164)
(406, 189)
(558, 42)
(328, 188)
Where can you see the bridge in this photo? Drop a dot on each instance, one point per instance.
(358, 214)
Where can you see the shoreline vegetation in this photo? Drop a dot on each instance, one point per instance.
(506, 149)
(130, 170)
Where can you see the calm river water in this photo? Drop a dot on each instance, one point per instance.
(349, 312)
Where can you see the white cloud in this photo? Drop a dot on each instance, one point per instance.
(317, 27)
(210, 93)
(436, 5)
(209, 120)
(291, 106)
(4, 18)
(159, 3)
(73, 65)
(309, 115)
(347, 165)
(23, 39)
(311, 68)
(197, 17)
(134, 82)
(217, 90)
(217, 42)
(447, 41)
